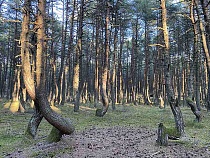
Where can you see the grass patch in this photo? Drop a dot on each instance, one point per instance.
(13, 126)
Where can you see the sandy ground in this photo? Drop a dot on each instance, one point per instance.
(113, 142)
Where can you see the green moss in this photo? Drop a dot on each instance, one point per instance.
(173, 132)
(54, 136)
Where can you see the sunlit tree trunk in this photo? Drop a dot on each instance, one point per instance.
(62, 75)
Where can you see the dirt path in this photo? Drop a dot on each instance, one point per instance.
(113, 142)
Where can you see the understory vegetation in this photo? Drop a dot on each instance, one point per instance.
(12, 126)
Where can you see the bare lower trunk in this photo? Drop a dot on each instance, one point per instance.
(34, 122)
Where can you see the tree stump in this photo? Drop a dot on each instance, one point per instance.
(162, 139)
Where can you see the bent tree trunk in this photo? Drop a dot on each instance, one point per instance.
(38, 94)
(192, 105)
(194, 109)
(63, 125)
(27, 74)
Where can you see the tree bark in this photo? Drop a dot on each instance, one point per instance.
(194, 109)
(105, 100)
(179, 122)
(65, 126)
(162, 139)
(42, 105)
(77, 72)
(26, 70)
(205, 42)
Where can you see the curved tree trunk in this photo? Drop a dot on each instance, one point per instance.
(105, 100)
(42, 106)
(65, 126)
(27, 74)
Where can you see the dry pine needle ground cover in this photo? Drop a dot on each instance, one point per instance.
(130, 131)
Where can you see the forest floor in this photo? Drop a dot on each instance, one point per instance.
(113, 142)
(130, 131)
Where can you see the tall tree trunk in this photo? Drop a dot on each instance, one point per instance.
(96, 80)
(120, 77)
(77, 73)
(194, 107)
(179, 122)
(61, 78)
(205, 42)
(113, 68)
(70, 50)
(105, 100)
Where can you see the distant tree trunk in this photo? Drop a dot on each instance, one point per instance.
(119, 73)
(96, 82)
(61, 77)
(105, 100)
(197, 55)
(70, 51)
(113, 68)
(15, 104)
(134, 52)
(147, 56)
(169, 89)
